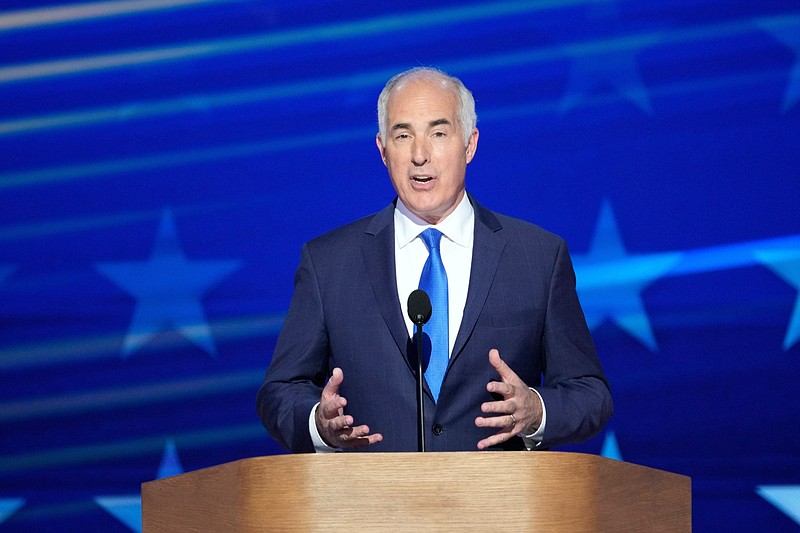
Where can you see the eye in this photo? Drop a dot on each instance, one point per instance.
(439, 134)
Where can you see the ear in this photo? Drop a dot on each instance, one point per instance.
(381, 149)
(472, 144)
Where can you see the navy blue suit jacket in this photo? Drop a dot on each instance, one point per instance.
(346, 312)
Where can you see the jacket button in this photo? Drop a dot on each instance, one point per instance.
(437, 429)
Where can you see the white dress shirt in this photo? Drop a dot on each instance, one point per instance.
(410, 254)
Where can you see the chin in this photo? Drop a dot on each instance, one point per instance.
(425, 212)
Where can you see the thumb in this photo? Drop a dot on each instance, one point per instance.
(332, 386)
(500, 366)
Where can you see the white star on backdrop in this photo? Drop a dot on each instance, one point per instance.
(608, 62)
(128, 508)
(168, 288)
(786, 265)
(787, 31)
(610, 280)
(611, 446)
(9, 506)
(784, 497)
(618, 70)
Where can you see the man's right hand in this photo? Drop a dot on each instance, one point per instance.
(336, 428)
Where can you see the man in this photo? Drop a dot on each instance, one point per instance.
(519, 370)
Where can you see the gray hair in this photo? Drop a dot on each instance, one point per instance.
(465, 114)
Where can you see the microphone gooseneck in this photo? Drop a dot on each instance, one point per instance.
(419, 311)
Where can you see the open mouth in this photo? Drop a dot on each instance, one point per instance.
(422, 179)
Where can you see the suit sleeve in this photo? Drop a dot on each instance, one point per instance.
(298, 370)
(574, 388)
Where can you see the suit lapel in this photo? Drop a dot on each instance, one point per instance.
(486, 252)
(378, 252)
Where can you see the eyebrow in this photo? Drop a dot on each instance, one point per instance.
(431, 124)
(439, 122)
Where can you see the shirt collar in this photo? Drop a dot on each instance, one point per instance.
(458, 226)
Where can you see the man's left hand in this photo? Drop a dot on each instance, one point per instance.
(519, 412)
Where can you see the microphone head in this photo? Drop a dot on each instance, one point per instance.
(419, 307)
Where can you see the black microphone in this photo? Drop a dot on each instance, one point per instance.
(419, 307)
(419, 311)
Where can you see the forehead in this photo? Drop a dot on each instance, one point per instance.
(423, 99)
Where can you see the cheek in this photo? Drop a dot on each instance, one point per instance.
(453, 172)
(393, 160)
(394, 170)
(398, 182)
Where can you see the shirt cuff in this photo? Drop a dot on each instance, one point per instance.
(320, 446)
(534, 440)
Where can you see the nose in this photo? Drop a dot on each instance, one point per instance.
(420, 153)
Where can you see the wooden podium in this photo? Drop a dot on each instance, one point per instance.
(456, 491)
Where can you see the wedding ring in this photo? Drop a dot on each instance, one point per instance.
(513, 420)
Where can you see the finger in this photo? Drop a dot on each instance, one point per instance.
(502, 406)
(503, 422)
(330, 408)
(340, 422)
(331, 404)
(506, 390)
(366, 440)
(494, 440)
(506, 430)
(357, 437)
(333, 429)
(352, 433)
(500, 366)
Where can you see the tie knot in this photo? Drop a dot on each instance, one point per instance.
(432, 237)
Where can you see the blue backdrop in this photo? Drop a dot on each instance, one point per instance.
(162, 161)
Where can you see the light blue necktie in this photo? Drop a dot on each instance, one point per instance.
(434, 282)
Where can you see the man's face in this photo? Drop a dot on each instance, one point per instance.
(425, 152)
